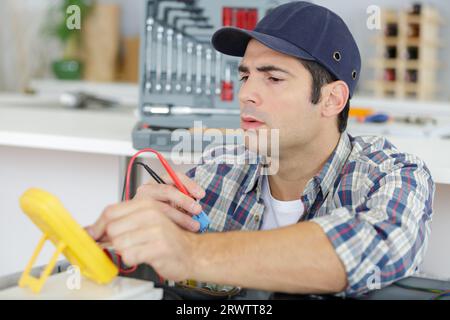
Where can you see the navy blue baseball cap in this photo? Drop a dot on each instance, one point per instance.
(303, 30)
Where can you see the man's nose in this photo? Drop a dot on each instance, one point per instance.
(249, 93)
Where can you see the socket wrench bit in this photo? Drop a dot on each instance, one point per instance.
(189, 62)
(169, 60)
(208, 55)
(148, 53)
(198, 72)
(218, 73)
(159, 48)
(179, 61)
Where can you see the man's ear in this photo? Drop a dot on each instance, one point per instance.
(335, 98)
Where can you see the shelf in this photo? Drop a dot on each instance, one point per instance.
(417, 38)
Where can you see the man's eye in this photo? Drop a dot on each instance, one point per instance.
(273, 79)
(243, 78)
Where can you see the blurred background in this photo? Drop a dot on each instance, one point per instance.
(84, 84)
(34, 38)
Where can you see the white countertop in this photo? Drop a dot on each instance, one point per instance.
(93, 131)
(109, 132)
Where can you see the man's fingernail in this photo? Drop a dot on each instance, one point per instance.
(195, 225)
(199, 192)
(195, 207)
(90, 231)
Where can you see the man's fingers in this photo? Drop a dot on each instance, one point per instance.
(136, 255)
(89, 230)
(110, 213)
(192, 187)
(131, 239)
(182, 219)
(146, 217)
(168, 193)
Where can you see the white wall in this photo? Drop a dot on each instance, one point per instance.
(85, 184)
(437, 259)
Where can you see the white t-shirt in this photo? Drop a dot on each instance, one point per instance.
(279, 213)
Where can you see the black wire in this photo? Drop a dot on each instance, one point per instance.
(123, 189)
(152, 173)
(442, 295)
(408, 287)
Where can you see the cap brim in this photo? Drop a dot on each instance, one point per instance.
(233, 41)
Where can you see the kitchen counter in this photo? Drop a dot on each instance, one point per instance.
(55, 128)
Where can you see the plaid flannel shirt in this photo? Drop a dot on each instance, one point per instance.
(373, 202)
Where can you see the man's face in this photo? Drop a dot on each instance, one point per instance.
(275, 94)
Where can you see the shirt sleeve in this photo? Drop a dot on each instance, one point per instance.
(385, 237)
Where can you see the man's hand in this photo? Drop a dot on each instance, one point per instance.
(185, 207)
(143, 233)
(164, 198)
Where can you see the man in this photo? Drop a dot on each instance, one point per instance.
(340, 212)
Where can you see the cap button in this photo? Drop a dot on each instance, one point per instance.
(337, 56)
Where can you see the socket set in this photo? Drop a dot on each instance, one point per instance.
(182, 77)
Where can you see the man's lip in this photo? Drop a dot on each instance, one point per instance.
(246, 125)
(250, 119)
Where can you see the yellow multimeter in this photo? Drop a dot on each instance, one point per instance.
(69, 238)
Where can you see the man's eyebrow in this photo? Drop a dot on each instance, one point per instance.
(242, 68)
(266, 68)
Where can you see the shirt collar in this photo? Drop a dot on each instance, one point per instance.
(326, 176)
(253, 175)
(332, 168)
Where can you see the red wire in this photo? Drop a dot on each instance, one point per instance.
(175, 180)
(119, 262)
(166, 166)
